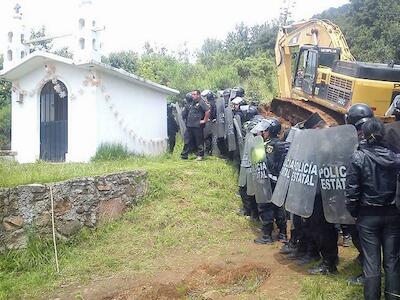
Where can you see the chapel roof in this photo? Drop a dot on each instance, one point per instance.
(38, 58)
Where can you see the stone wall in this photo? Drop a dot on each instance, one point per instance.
(78, 203)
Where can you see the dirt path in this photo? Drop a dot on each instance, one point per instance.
(243, 270)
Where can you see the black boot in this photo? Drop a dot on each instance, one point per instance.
(288, 248)
(323, 269)
(264, 240)
(307, 260)
(356, 280)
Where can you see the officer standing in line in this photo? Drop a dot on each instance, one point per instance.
(392, 131)
(248, 201)
(209, 98)
(371, 190)
(197, 117)
(268, 212)
(172, 129)
(357, 115)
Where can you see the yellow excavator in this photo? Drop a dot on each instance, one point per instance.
(318, 73)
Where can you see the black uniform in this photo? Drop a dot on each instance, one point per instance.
(391, 139)
(172, 129)
(370, 189)
(268, 211)
(195, 114)
(208, 135)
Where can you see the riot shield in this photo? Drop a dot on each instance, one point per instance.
(335, 147)
(262, 183)
(207, 130)
(392, 136)
(220, 106)
(237, 122)
(229, 130)
(282, 186)
(245, 160)
(214, 132)
(304, 173)
(181, 122)
(248, 166)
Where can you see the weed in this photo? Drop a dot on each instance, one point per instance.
(107, 151)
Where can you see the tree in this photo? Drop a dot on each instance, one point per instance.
(5, 111)
(126, 60)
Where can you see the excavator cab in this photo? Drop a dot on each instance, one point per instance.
(309, 59)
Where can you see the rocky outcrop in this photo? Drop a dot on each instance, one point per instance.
(78, 203)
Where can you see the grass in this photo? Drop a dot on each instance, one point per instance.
(190, 209)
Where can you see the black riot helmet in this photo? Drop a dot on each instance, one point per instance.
(226, 93)
(239, 91)
(275, 127)
(207, 95)
(358, 114)
(189, 98)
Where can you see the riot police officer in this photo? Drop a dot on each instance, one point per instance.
(172, 128)
(197, 117)
(357, 115)
(209, 97)
(269, 130)
(371, 189)
(392, 130)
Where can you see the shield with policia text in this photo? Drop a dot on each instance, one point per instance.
(229, 128)
(262, 183)
(220, 106)
(335, 147)
(282, 186)
(303, 168)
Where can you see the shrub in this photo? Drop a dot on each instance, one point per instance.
(108, 151)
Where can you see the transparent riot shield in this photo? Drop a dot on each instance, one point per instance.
(214, 132)
(262, 183)
(220, 106)
(237, 122)
(245, 161)
(335, 147)
(181, 122)
(229, 130)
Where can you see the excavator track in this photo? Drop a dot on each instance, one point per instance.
(295, 111)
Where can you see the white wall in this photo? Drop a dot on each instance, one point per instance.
(25, 139)
(143, 110)
(90, 121)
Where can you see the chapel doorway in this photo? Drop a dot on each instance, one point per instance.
(53, 121)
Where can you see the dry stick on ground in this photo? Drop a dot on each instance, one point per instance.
(54, 231)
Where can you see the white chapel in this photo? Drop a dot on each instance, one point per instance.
(64, 109)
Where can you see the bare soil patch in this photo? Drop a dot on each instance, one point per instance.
(244, 271)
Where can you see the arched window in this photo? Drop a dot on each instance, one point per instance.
(82, 43)
(94, 23)
(10, 37)
(9, 55)
(22, 54)
(94, 44)
(22, 38)
(81, 23)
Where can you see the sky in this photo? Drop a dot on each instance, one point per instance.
(167, 23)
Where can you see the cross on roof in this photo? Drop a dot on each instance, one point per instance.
(17, 8)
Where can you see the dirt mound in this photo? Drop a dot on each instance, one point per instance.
(208, 281)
